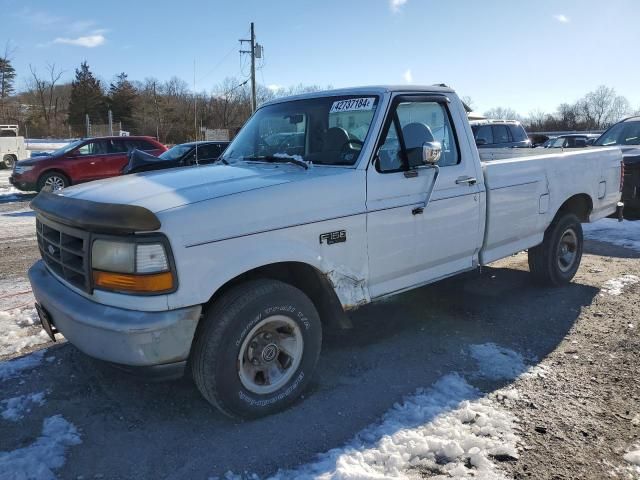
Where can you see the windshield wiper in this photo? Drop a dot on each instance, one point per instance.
(280, 159)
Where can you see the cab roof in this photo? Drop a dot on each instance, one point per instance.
(370, 90)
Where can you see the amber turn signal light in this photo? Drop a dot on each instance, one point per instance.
(154, 283)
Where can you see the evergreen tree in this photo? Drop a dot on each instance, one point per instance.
(87, 97)
(7, 78)
(122, 97)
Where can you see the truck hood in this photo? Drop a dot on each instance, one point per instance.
(162, 190)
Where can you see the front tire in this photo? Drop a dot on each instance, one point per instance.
(9, 161)
(52, 181)
(557, 259)
(257, 348)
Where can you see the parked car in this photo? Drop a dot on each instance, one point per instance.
(80, 161)
(234, 269)
(500, 134)
(181, 155)
(626, 135)
(572, 140)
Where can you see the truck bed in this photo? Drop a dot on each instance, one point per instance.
(525, 189)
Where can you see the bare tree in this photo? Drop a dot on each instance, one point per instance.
(502, 113)
(603, 107)
(44, 89)
(468, 101)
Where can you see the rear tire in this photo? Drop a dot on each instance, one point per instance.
(53, 181)
(256, 349)
(557, 259)
(9, 161)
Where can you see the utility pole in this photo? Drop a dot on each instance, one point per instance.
(252, 52)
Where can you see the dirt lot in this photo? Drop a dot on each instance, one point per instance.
(575, 417)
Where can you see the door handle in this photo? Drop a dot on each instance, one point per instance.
(417, 211)
(466, 179)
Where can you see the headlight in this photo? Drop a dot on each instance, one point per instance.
(21, 169)
(131, 267)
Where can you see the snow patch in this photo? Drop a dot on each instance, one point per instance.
(624, 234)
(20, 330)
(15, 408)
(633, 457)
(38, 460)
(448, 430)
(12, 368)
(495, 362)
(615, 286)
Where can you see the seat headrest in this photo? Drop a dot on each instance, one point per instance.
(415, 134)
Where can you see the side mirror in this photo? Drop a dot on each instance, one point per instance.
(431, 152)
(481, 141)
(590, 141)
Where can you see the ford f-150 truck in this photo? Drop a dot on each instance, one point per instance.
(232, 270)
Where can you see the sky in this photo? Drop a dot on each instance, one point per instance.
(521, 55)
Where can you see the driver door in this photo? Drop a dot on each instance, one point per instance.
(411, 242)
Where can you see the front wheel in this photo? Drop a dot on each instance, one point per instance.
(257, 348)
(52, 181)
(9, 161)
(556, 260)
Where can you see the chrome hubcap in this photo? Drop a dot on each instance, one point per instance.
(54, 183)
(567, 250)
(270, 354)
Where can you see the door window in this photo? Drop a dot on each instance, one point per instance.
(484, 135)
(415, 123)
(501, 134)
(518, 133)
(96, 147)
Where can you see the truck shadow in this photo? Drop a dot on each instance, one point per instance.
(395, 347)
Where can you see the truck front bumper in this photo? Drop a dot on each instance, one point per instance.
(125, 337)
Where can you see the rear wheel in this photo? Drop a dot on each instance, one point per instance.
(53, 181)
(9, 161)
(557, 259)
(257, 348)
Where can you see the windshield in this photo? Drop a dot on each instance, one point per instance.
(67, 148)
(626, 133)
(175, 153)
(322, 130)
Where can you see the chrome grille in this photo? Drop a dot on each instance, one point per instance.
(65, 251)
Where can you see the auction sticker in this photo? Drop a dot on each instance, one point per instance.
(353, 104)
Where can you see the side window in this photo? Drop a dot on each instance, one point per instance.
(500, 134)
(418, 122)
(485, 135)
(517, 133)
(146, 146)
(117, 146)
(207, 152)
(96, 147)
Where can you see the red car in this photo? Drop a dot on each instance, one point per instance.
(80, 161)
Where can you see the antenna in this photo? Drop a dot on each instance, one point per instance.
(195, 108)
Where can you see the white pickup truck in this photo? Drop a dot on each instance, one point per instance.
(322, 203)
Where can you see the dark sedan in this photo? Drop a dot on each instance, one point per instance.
(182, 155)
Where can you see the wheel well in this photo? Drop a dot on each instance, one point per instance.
(304, 277)
(581, 205)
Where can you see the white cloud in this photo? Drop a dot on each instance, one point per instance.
(559, 17)
(395, 5)
(408, 76)
(274, 87)
(89, 41)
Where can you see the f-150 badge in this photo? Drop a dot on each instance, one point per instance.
(333, 237)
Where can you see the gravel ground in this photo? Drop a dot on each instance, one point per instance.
(575, 419)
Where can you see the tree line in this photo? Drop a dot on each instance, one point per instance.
(597, 110)
(167, 110)
(171, 112)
